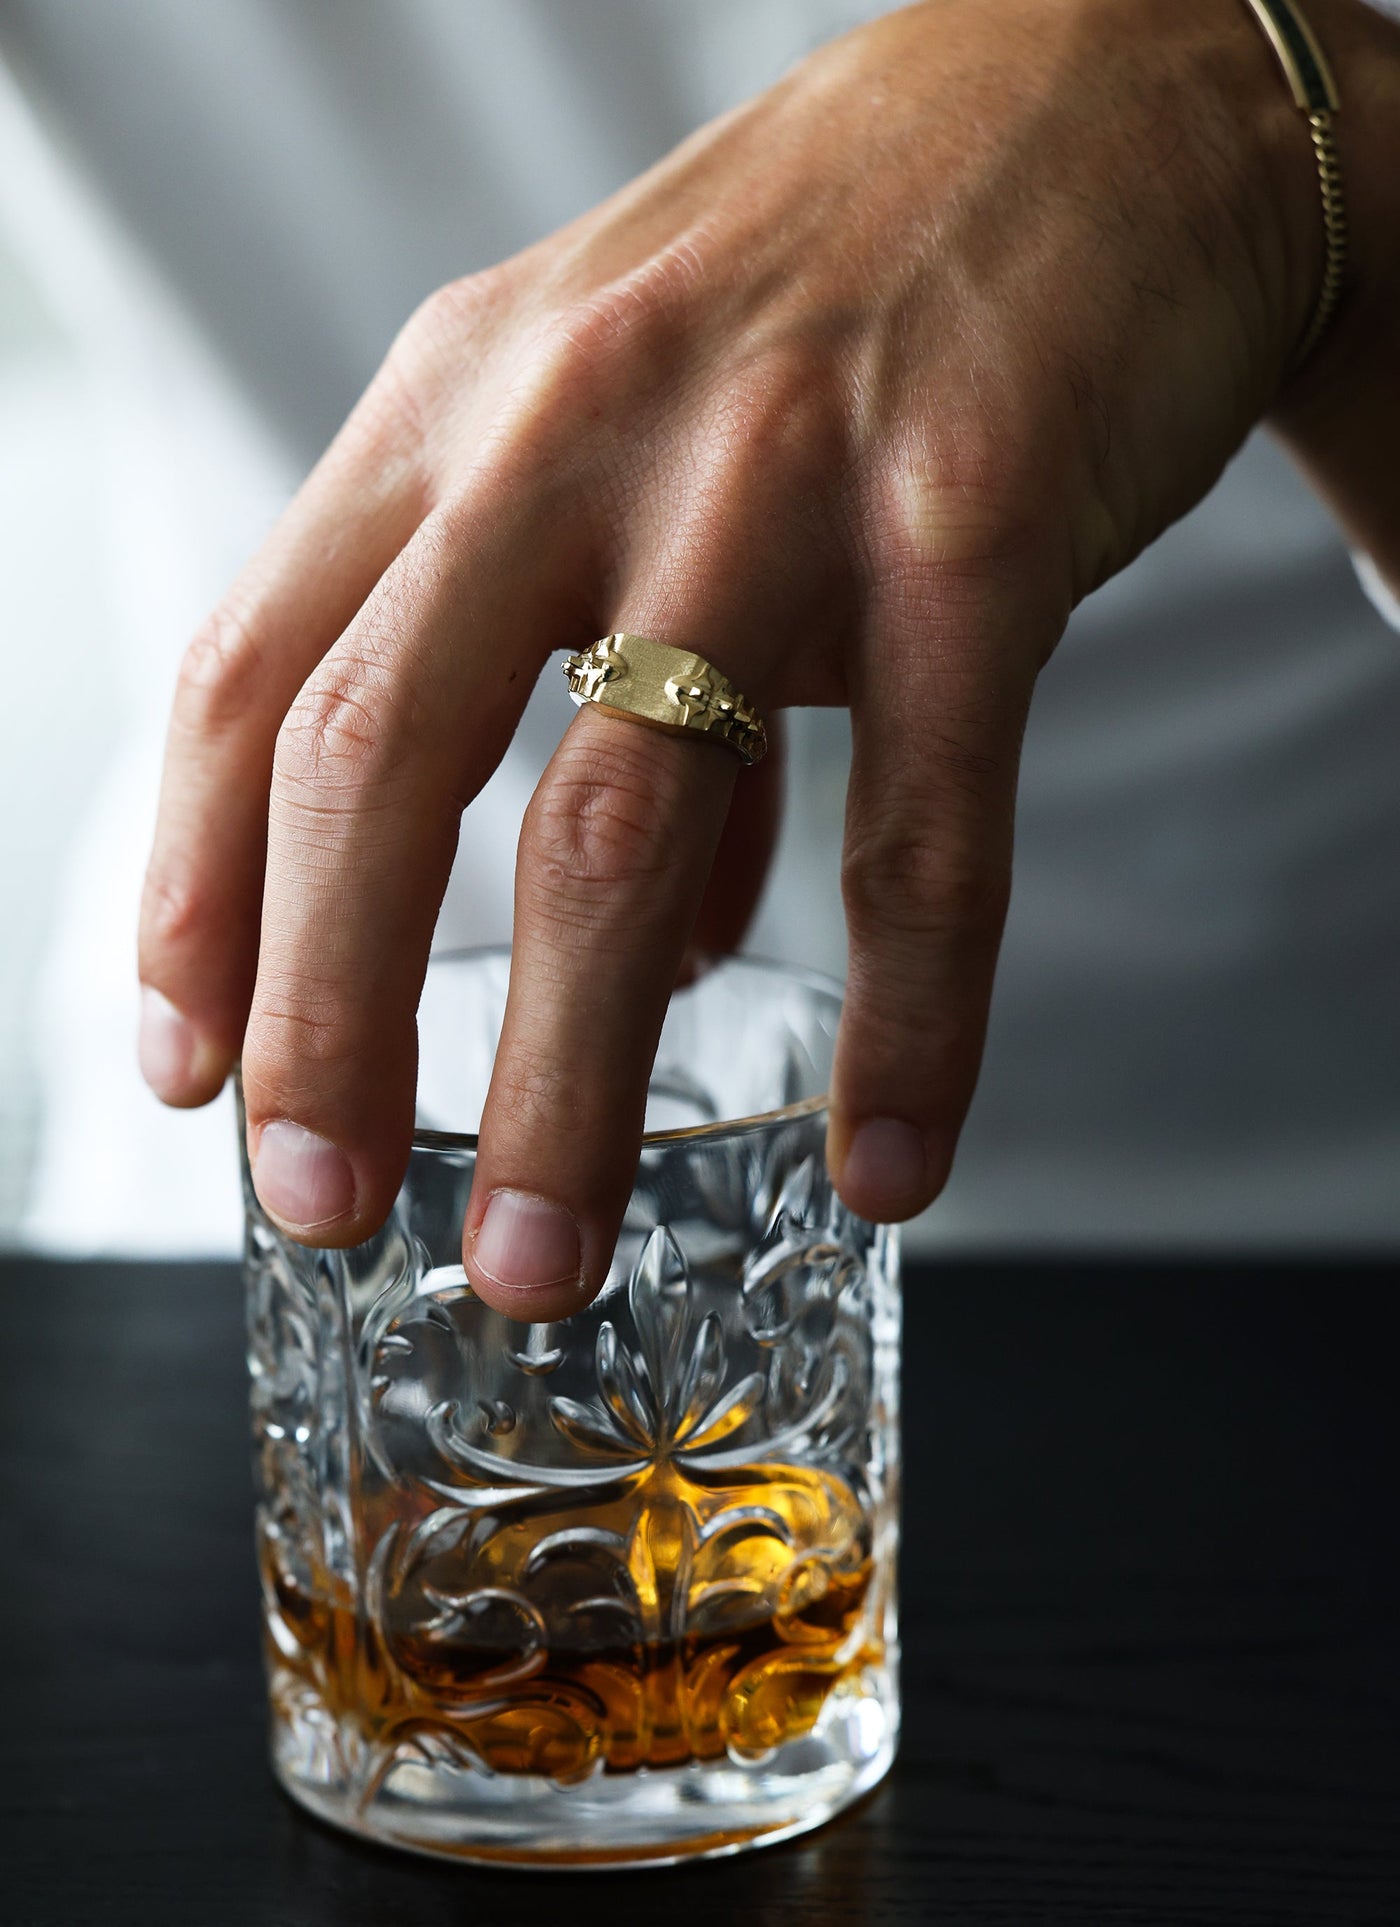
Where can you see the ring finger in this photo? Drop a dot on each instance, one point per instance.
(615, 855)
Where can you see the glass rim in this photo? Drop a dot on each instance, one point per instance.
(800, 974)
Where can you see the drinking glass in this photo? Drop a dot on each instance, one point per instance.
(618, 1589)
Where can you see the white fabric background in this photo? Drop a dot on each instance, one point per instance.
(222, 213)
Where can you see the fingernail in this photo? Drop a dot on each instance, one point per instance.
(301, 1179)
(524, 1242)
(176, 1061)
(886, 1167)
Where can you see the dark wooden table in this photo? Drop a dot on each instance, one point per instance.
(1150, 1582)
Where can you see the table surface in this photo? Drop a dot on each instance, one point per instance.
(1150, 1581)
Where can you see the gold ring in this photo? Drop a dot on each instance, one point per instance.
(650, 682)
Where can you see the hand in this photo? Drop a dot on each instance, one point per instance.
(856, 394)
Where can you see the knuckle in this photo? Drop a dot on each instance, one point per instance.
(923, 891)
(298, 1049)
(435, 328)
(953, 515)
(965, 555)
(785, 410)
(644, 309)
(593, 355)
(174, 912)
(337, 734)
(296, 1025)
(222, 673)
(558, 382)
(411, 408)
(595, 826)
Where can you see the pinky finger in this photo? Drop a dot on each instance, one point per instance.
(926, 878)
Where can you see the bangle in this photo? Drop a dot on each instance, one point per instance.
(1315, 94)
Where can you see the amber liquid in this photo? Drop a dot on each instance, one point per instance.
(707, 1621)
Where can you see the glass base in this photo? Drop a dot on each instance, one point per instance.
(455, 1809)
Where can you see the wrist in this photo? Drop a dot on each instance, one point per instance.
(1339, 412)
(1362, 46)
(1232, 84)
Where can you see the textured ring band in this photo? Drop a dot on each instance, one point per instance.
(650, 682)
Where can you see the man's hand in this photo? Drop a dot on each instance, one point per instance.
(855, 394)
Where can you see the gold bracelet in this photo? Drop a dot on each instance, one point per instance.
(1314, 94)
